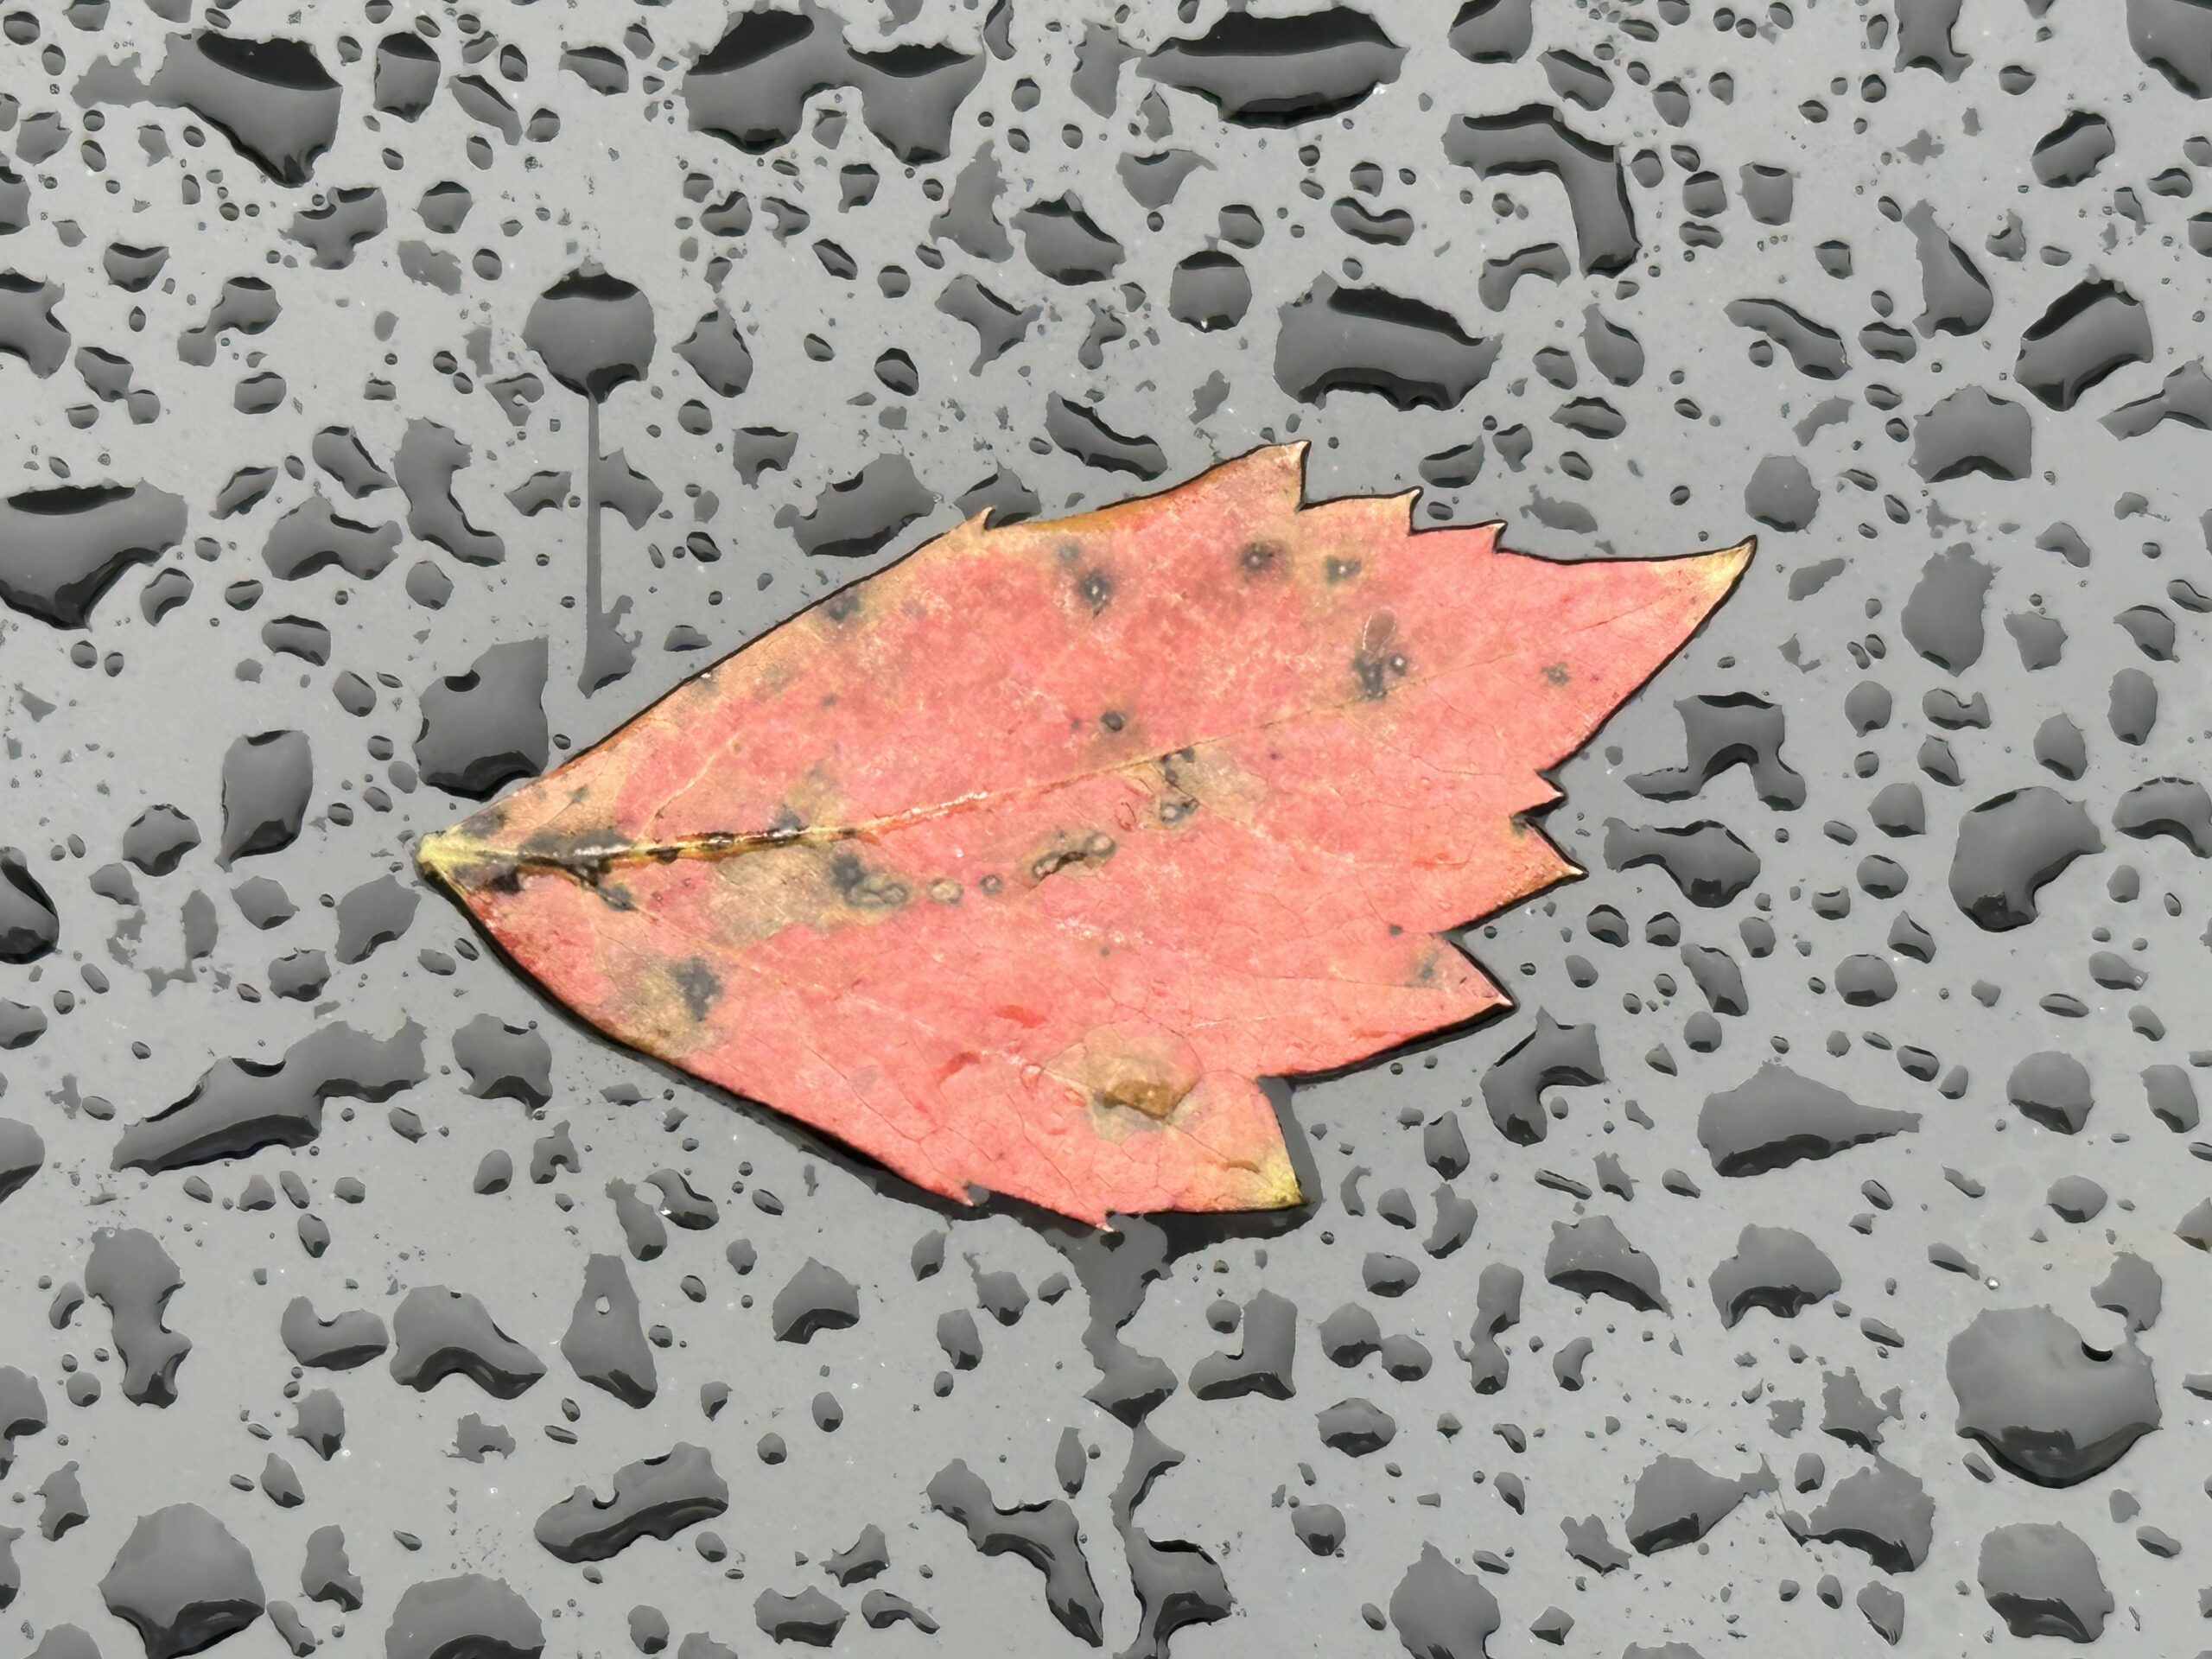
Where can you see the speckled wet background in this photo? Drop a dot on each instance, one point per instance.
(1810, 1260)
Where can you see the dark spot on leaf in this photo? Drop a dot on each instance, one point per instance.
(862, 888)
(700, 985)
(1097, 588)
(1260, 558)
(1337, 569)
(1094, 848)
(1178, 803)
(842, 605)
(1375, 672)
(1375, 664)
(1555, 673)
(1113, 719)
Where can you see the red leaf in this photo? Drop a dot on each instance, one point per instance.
(1016, 863)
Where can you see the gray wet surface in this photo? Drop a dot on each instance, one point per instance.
(400, 396)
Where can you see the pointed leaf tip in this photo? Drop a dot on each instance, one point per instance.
(1248, 761)
(435, 856)
(1729, 562)
(1717, 573)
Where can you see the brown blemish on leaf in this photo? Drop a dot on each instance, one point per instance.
(1134, 1078)
(1155, 1097)
(1556, 673)
(670, 1003)
(774, 679)
(1204, 775)
(1078, 851)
